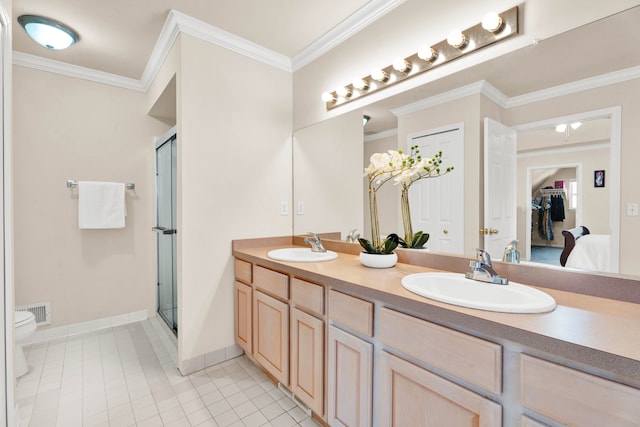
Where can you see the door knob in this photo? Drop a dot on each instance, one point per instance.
(445, 231)
(489, 231)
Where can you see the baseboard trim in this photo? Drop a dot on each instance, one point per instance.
(198, 363)
(48, 334)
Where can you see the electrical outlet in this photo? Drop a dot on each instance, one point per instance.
(284, 208)
(300, 208)
(632, 209)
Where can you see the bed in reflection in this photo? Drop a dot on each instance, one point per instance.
(585, 251)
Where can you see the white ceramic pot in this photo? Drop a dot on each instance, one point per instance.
(378, 260)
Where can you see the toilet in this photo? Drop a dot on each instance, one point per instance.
(24, 323)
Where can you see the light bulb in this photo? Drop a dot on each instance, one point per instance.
(380, 75)
(456, 39)
(344, 92)
(360, 84)
(328, 97)
(401, 65)
(427, 53)
(492, 22)
(575, 125)
(561, 127)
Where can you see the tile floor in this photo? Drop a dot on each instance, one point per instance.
(127, 376)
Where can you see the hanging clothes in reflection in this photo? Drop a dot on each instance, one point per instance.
(545, 224)
(557, 208)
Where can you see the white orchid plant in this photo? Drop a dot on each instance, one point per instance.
(383, 167)
(403, 169)
(418, 168)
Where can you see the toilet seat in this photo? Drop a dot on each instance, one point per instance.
(22, 318)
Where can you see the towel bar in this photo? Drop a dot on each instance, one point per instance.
(73, 183)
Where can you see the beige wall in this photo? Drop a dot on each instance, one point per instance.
(66, 128)
(328, 170)
(402, 31)
(234, 157)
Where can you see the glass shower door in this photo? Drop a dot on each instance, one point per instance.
(166, 231)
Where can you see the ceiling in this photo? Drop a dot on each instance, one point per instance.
(118, 36)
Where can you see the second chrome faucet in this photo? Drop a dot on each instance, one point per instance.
(482, 270)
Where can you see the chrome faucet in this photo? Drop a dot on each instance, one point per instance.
(314, 241)
(482, 270)
(352, 237)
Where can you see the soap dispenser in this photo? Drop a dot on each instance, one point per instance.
(511, 253)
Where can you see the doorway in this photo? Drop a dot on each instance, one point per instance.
(166, 242)
(439, 203)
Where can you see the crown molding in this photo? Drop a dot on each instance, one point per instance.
(366, 15)
(381, 135)
(69, 70)
(614, 77)
(196, 28)
(502, 100)
(478, 87)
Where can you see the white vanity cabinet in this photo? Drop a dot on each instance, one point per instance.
(412, 395)
(350, 361)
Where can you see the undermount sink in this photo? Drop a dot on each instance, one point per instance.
(454, 288)
(301, 255)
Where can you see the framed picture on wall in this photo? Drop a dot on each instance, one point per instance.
(598, 178)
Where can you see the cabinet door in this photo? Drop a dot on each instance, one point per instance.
(307, 359)
(243, 316)
(412, 396)
(271, 335)
(350, 377)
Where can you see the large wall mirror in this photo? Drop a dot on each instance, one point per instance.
(559, 80)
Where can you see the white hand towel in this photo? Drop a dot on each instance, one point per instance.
(101, 204)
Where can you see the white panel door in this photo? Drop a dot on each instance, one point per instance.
(437, 204)
(500, 176)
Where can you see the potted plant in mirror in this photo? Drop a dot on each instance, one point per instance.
(418, 168)
(383, 167)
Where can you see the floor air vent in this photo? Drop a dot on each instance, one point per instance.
(42, 311)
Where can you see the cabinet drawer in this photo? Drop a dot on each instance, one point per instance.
(463, 356)
(308, 295)
(351, 312)
(277, 284)
(243, 271)
(576, 398)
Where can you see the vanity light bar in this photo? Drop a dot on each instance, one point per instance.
(502, 25)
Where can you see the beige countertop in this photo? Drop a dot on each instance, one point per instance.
(600, 333)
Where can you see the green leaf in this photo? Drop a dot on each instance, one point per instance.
(419, 240)
(390, 243)
(367, 246)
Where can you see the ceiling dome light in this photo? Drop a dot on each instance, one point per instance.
(492, 22)
(561, 127)
(457, 39)
(48, 33)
